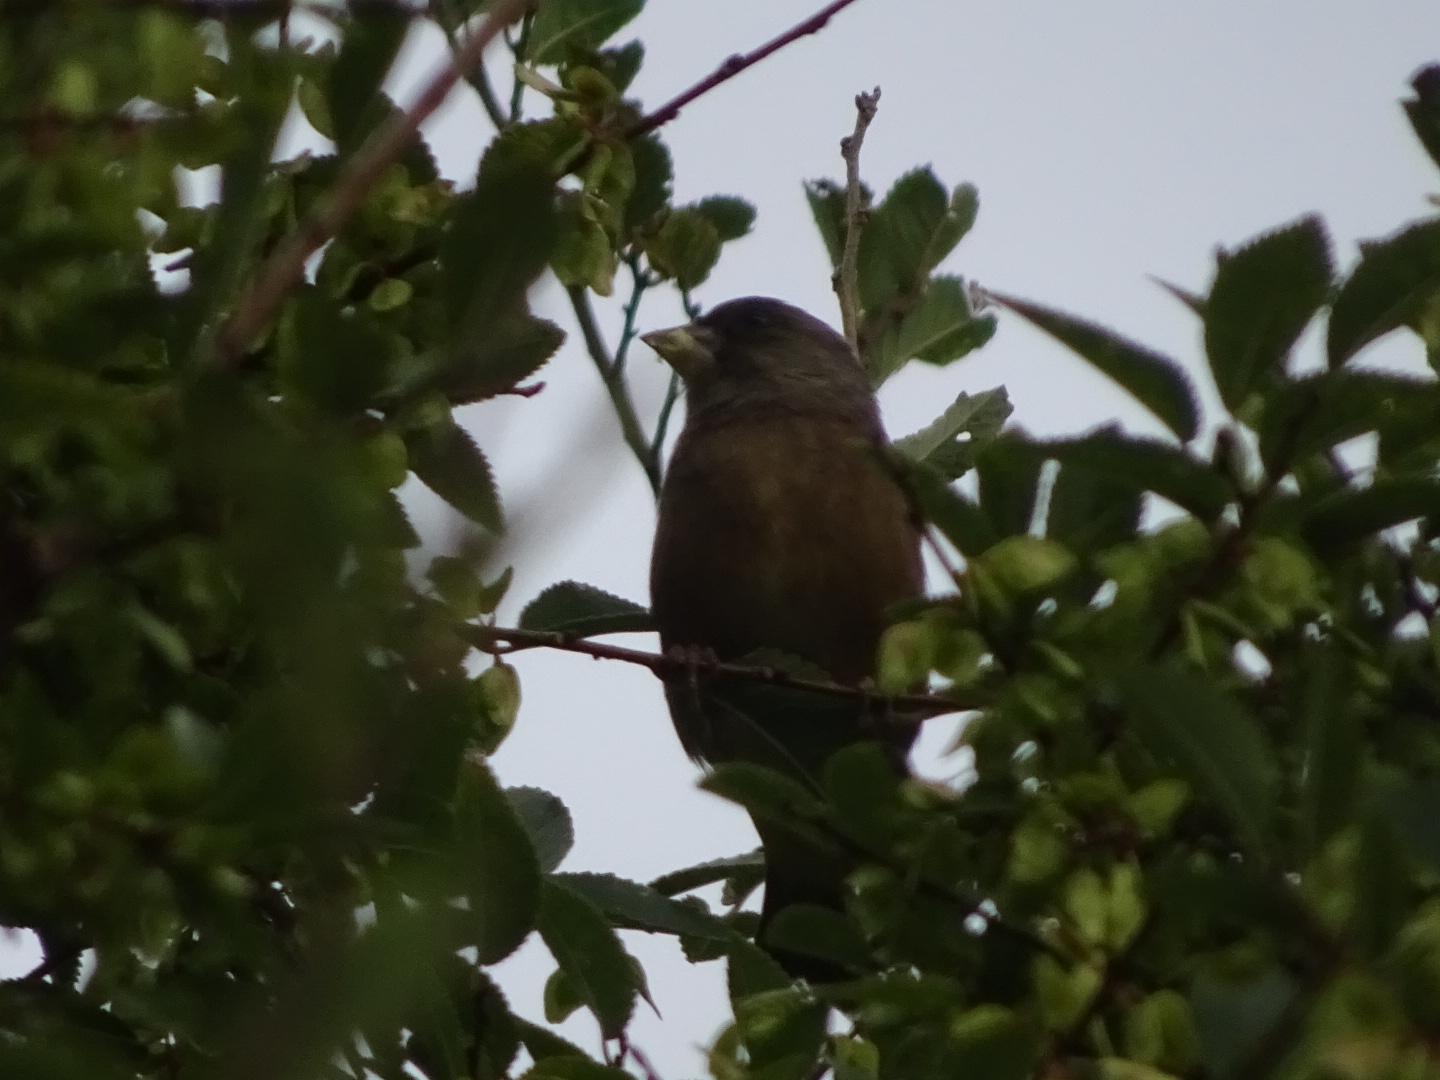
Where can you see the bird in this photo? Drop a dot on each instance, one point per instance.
(781, 529)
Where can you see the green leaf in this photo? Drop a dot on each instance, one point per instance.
(621, 65)
(1424, 109)
(706, 873)
(1358, 514)
(334, 358)
(1148, 465)
(731, 215)
(1332, 747)
(546, 821)
(449, 463)
(1412, 805)
(1315, 413)
(633, 906)
(1089, 511)
(964, 524)
(1156, 381)
(583, 610)
(940, 329)
(820, 932)
(574, 1067)
(542, 1043)
(980, 417)
(904, 238)
(1009, 471)
(1397, 277)
(513, 348)
(1188, 721)
(654, 173)
(762, 791)
(686, 248)
(367, 53)
(588, 951)
(564, 27)
(827, 206)
(498, 866)
(1233, 1016)
(501, 235)
(1263, 297)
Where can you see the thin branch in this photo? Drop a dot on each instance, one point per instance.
(614, 379)
(662, 422)
(444, 13)
(847, 274)
(912, 707)
(285, 268)
(732, 66)
(517, 48)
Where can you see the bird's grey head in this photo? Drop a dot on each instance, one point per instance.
(760, 355)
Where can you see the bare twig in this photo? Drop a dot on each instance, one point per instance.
(613, 376)
(734, 65)
(284, 269)
(444, 13)
(847, 274)
(911, 707)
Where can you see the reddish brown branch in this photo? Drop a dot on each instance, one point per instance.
(284, 269)
(910, 706)
(734, 65)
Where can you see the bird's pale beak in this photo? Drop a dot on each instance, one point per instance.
(687, 349)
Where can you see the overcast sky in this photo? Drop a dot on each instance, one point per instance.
(1109, 140)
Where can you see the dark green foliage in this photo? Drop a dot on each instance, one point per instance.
(244, 778)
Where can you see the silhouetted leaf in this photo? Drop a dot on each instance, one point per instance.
(565, 26)
(497, 865)
(583, 610)
(939, 330)
(819, 932)
(706, 873)
(547, 822)
(1424, 109)
(1396, 278)
(731, 215)
(1356, 514)
(639, 907)
(1264, 295)
(449, 463)
(1156, 381)
(587, 950)
(1149, 465)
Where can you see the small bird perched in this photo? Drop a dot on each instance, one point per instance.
(780, 530)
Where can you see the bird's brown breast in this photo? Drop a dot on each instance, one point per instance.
(782, 532)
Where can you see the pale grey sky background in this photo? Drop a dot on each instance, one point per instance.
(1110, 140)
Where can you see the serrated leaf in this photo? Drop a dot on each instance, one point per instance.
(1156, 381)
(633, 906)
(622, 64)
(574, 608)
(707, 873)
(588, 951)
(562, 27)
(1394, 281)
(763, 791)
(1318, 411)
(898, 237)
(940, 329)
(511, 349)
(1264, 296)
(547, 822)
(497, 865)
(686, 248)
(1205, 733)
(449, 463)
(654, 173)
(542, 1043)
(502, 233)
(731, 215)
(1424, 109)
(1357, 514)
(979, 416)
(367, 52)
(1148, 465)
